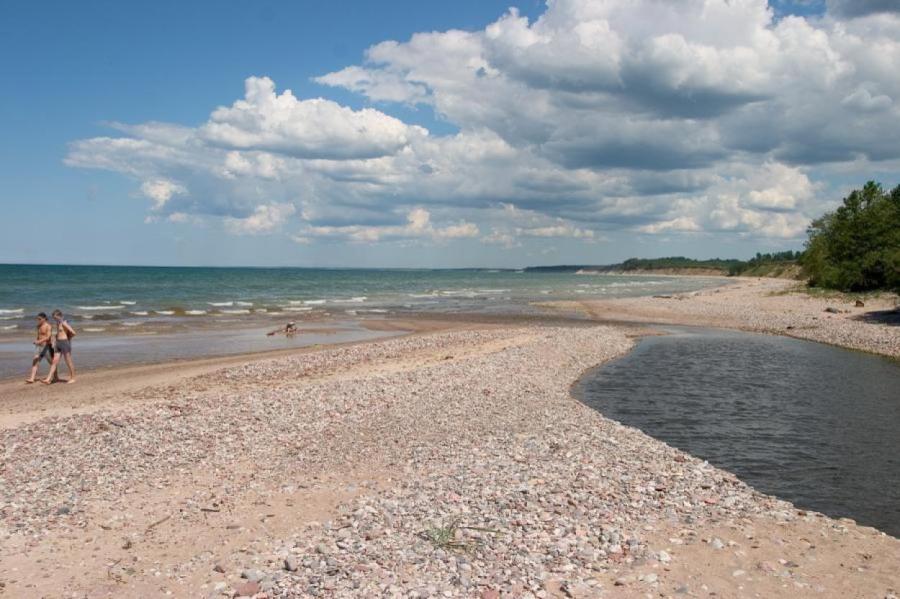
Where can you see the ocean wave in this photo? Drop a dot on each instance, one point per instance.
(94, 329)
(9, 327)
(127, 302)
(9, 317)
(243, 303)
(297, 309)
(260, 310)
(492, 290)
(195, 312)
(220, 304)
(132, 323)
(422, 295)
(164, 312)
(241, 311)
(374, 311)
(140, 313)
(352, 300)
(12, 311)
(106, 307)
(315, 302)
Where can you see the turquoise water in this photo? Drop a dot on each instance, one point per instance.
(119, 299)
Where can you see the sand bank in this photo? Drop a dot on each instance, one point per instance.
(761, 305)
(444, 464)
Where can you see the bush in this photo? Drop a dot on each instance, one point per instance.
(857, 247)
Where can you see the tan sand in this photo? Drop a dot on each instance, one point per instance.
(761, 305)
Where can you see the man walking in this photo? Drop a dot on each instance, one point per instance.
(64, 335)
(43, 345)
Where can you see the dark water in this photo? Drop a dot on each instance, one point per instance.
(813, 424)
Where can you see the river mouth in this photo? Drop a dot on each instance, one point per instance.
(810, 423)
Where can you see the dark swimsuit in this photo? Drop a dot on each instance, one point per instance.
(46, 352)
(63, 346)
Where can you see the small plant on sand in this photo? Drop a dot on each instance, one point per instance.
(446, 537)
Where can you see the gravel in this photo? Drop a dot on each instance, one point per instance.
(507, 484)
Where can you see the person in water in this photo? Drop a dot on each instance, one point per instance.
(64, 335)
(289, 329)
(43, 344)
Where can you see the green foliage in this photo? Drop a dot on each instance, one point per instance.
(677, 262)
(857, 247)
(770, 264)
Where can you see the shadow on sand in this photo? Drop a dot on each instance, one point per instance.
(888, 317)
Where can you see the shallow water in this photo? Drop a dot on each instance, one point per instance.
(809, 423)
(122, 350)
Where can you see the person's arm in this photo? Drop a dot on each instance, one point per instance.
(70, 332)
(44, 334)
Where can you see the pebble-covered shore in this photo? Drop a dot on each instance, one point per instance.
(501, 483)
(766, 306)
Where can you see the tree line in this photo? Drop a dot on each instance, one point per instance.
(857, 246)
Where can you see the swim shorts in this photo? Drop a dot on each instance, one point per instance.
(46, 352)
(63, 346)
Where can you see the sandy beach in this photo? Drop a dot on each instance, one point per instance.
(452, 462)
(761, 305)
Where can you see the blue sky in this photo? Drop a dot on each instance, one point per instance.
(71, 70)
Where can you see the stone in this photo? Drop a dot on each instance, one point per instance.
(246, 589)
(252, 575)
(291, 563)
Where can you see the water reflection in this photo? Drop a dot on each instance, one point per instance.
(813, 424)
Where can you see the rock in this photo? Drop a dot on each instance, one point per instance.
(252, 575)
(650, 578)
(664, 557)
(767, 566)
(246, 589)
(738, 573)
(717, 543)
(291, 564)
(219, 568)
(831, 310)
(860, 304)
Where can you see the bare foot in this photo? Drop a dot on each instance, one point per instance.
(29, 381)
(46, 382)
(70, 381)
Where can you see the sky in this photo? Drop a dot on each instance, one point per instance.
(436, 134)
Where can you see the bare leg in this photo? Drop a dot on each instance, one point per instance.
(71, 366)
(51, 376)
(34, 367)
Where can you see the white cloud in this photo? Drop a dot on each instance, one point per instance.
(265, 218)
(418, 226)
(316, 128)
(681, 223)
(161, 191)
(557, 231)
(631, 115)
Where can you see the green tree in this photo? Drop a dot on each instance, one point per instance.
(857, 247)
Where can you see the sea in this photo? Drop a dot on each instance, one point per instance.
(111, 305)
